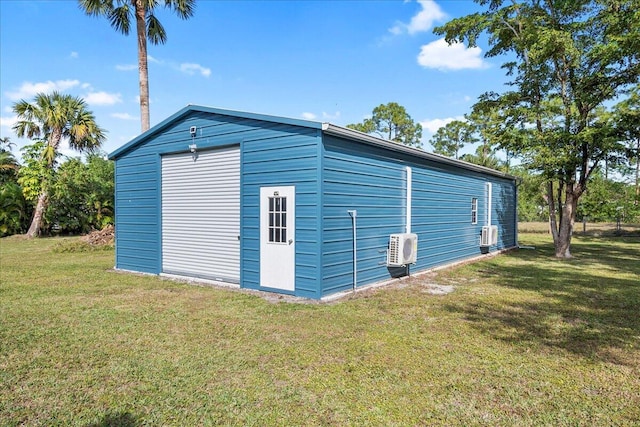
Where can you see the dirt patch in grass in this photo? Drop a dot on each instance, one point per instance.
(103, 237)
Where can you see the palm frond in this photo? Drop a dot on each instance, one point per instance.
(27, 128)
(150, 5)
(120, 18)
(96, 7)
(183, 8)
(155, 31)
(8, 161)
(49, 155)
(6, 142)
(84, 134)
(24, 109)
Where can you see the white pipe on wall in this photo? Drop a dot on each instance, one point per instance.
(354, 214)
(489, 202)
(409, 184)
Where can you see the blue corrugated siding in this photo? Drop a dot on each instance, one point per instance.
(361, 177)
(331, 176)
(286, 159)
(504, 212)
(137, 213)
(441, 214)
(372, 185)
(271, 154)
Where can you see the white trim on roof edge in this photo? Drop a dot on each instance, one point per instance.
(343, 132)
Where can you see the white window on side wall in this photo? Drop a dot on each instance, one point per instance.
(474, 211)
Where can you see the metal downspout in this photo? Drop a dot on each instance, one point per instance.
(354, 214)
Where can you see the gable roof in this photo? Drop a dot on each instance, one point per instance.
(201, 109)
(327, 128)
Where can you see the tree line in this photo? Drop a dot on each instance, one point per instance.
(80, 193)
(47, 194)
(614, 189)
(571, 107)
(569, 115)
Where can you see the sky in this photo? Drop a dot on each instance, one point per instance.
(329, 61)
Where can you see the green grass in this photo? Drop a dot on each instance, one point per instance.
(524, 339)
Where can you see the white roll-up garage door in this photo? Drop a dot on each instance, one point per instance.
(201, 214)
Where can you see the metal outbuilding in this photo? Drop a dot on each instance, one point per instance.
(296, 206)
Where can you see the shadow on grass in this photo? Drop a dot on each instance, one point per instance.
(589, 305)
(117, 419)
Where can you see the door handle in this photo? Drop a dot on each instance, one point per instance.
(290, 241)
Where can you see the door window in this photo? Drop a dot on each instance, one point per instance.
(277, 219)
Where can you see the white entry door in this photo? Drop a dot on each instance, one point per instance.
(277, 237)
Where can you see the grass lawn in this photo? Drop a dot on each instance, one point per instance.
(523, 339)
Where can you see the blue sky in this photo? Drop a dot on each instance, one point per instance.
(322, 60)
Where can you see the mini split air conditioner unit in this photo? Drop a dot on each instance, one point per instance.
(489, 236)
(403, 249)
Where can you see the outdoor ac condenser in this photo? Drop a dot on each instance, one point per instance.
(403, 249)
(489, 236)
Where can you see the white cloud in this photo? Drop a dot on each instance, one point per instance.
(434, 124)
(28, 89)
(102, 98)
(73, 55)
(126, 67)
(191, 69)
(329, 116)
(442, 56)
(8, 122)
(309, 116)
(124, 116)
(428, 14)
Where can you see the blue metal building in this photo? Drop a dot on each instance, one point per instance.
(272, 203)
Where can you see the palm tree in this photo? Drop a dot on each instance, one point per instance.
(13, 209)
(8, 163)
(54, 117)
(120, 13)
(6, 144)
(8, 166)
